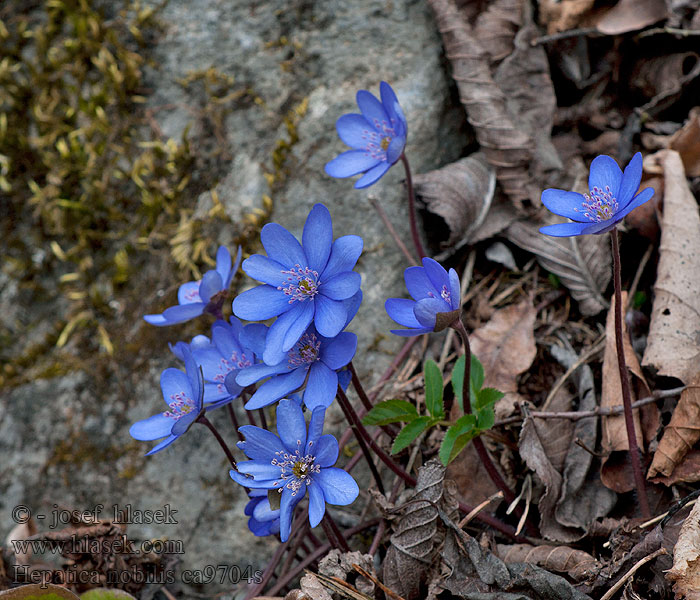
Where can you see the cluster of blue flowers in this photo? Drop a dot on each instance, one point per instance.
(312, 292)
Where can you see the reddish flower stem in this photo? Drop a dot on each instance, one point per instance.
(624, 380)
(204, 421)
(412, 209)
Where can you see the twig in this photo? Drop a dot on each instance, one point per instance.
(613, 590)
(562, 35)
(389, 592)
(669, 30)
(497, 496)
(597, 412)
(412, 209)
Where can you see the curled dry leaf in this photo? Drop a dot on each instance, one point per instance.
(582, 263)
(339, 565)
(685, 573)
(563, 15)
(615, 472)
(461, 194)
(496, 27)
(504, 144)
(680, 434)
(673, 345)
(417, 537)
(313, 589)
(665, 75)
(561, 559)
(631, 15)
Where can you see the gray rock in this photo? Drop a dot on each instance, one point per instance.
(284, 54)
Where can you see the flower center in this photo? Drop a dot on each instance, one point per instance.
(377, 142)
(305, 351)
(193, 295)
(385, 143)
(180, 405)
(295, 470)
(444, 294)
(599, 205)
(301, 284)
(228, 365)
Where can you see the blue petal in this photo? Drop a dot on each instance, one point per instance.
(188, 293)
(255, 373)
(372, 175)
(157, 320)
(352, 305)
(260, 303)
(215, 392)
(455, 292)
(260, 444)
(411, 332)
(225, 341)
(564, 229)
(389, 99)
(396, 146)
(263, 512)
(287, 504)
(318, 237)
(401, 311)
(223, 266)
(164, 444)
(341, 286)
(339, 487)
(265, 269)
(605, 172)
(260, 470)
(253, 337)
(338, 351)
(184, 423)
(372, 110)
(317, 503)
(182, 313)
(315, 429)
(631, 179)
(327, 451)
(194, 374)
(153, 428)
(282, 246)
(291, 425)
(564, 204)
(350, 163)
(354, 130)
(211, 284)
(281, 334)
(437, 275)
(344, 254)
(276, 387)
(249, 482)
(174, 382)
(331, 316)
(417, 283)
(211, 361)
(644, 196)
(321, 386)
(427, 309)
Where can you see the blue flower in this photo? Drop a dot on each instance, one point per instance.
(434, 291)
(377, 137)
(183, 393)
(610, 198)
(263, 519)
(221, 359)
(295, 462)
(302, 284)
(197, 297)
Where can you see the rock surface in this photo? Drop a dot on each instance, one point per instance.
(66, 438)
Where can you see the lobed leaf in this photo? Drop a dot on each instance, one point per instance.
(391, 411)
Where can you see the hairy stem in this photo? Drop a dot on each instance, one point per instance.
(624, 380)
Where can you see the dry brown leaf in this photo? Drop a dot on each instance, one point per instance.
(631, 15)
(557, 434)
(563, 15)
(685, 573)
(506, 345)
(581, 262)
(615, 473)
(459, 193)
(313, 588)
(673, 345)
(687, 470)
(680, 434)
(561, 559)
(686, 141)
(504, 144)
(496, 27)
(470, 476)
(665, 75)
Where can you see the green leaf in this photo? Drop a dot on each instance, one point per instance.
(410, 433)
(433, 389)
(456, 438)
(476, 379)
(107, 594)
(37, 591)
(486, 418)
(391, 411)
(487, 397)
